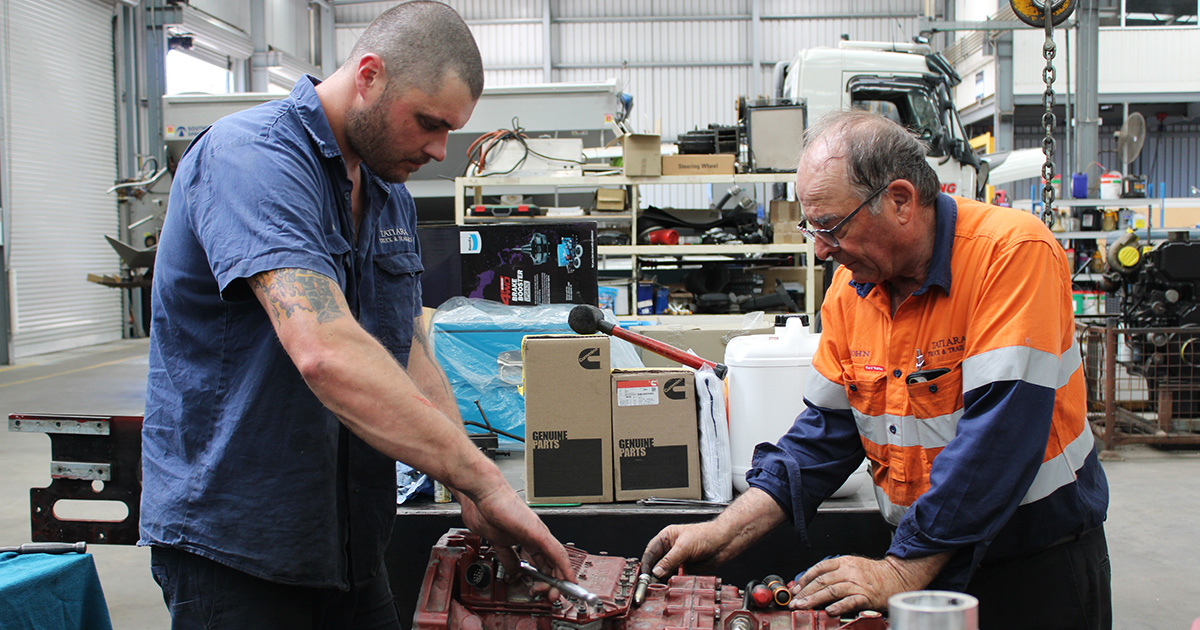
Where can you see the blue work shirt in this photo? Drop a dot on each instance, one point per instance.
(241, 462)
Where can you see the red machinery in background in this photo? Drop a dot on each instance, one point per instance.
(465, 588)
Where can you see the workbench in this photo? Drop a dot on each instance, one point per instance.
(842, 526)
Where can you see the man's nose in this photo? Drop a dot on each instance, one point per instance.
(822, 250)
(436, 147)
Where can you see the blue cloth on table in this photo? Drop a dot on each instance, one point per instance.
(42, 591)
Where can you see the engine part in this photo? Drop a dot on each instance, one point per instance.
(453, 597)
(779, 591)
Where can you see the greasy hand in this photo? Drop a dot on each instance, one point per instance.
(700, 545)
(849, 583)
(506, 522)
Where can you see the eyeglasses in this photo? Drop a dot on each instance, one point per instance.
(828, 236)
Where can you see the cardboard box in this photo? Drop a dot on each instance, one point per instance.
(794, 278)
(568, 419)
(610, 199)
(707, 340)
(784, 211)
(641, 155)
(786, 232)
(527, 264)
(694, 164)
(656, 440)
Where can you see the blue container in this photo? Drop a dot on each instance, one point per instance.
(1079, 185)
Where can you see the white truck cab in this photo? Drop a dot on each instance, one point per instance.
(908, 83)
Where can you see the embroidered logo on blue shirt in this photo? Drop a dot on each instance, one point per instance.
(392, 235)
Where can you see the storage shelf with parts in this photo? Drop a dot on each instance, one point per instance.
(553, 184)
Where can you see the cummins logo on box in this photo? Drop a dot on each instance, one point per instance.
(589, 358)
(675, 389)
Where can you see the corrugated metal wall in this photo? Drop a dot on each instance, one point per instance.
(60, 157)
(1168, 158)
(684, 62)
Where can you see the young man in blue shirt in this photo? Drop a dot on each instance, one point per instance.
(288, 369)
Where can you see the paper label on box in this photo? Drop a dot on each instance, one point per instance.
(470, 243)
(637, 393)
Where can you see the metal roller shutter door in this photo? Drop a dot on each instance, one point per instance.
(60, 157)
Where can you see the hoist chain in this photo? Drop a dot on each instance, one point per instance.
(1048, 121)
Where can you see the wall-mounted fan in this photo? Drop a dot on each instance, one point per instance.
(1130, 140)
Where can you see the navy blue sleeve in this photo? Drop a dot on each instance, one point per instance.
(979, 479)
(257, 206)
(808, 464)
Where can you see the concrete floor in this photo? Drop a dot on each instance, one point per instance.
(1153, 525)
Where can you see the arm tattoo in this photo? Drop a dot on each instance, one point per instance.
(290, 290)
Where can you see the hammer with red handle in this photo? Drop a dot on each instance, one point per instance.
(586, 319)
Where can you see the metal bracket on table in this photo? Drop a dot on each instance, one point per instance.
(93, 458)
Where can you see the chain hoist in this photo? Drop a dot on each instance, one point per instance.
(1047, 15)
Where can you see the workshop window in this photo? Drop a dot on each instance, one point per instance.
(1150, 13)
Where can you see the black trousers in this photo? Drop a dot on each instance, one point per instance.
(201, 593)
(1067, 586)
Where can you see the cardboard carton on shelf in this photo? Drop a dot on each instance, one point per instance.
(705, 335)
(610, 199)
(698, 164)
(641, 155)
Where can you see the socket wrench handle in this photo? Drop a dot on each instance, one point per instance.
(570, 589)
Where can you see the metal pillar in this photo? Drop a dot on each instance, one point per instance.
(1087, 94)
(260, 61)
(159, 13)
(1002, 119)
(328, 41)
(756, 48)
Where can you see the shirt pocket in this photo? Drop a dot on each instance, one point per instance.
(937, 406)
(397, 292)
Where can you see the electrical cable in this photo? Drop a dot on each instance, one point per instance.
(478, 151)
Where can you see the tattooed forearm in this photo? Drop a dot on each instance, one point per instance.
(290, 290)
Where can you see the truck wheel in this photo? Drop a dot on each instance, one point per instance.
(1033, 12)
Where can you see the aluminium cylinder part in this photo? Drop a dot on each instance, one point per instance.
(933, 610)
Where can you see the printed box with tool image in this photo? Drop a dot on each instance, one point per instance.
(528, 264)
(656, 441)
(568, 422)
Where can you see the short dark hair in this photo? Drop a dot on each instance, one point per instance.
(876, 150)
(419, 42)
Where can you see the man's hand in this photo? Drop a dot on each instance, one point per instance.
(847, 584)
(702, 546)
(507, 522)
(705, 546)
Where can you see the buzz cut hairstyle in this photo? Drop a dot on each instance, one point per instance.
(419, 42)
(876, 150)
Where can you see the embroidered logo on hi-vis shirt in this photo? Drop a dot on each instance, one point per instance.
(873, 368)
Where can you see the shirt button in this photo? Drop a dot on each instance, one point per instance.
(933, 388)
(346, 196)
(892, 428)
(854, 388)
(897, 373)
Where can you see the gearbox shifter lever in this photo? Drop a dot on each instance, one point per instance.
(570, 589)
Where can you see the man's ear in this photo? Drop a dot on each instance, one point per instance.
(370, 78)
(904, 195)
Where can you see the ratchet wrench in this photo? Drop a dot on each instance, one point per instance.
(570, 589)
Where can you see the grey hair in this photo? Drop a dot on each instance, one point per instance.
(876, 151)
(419, 42)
